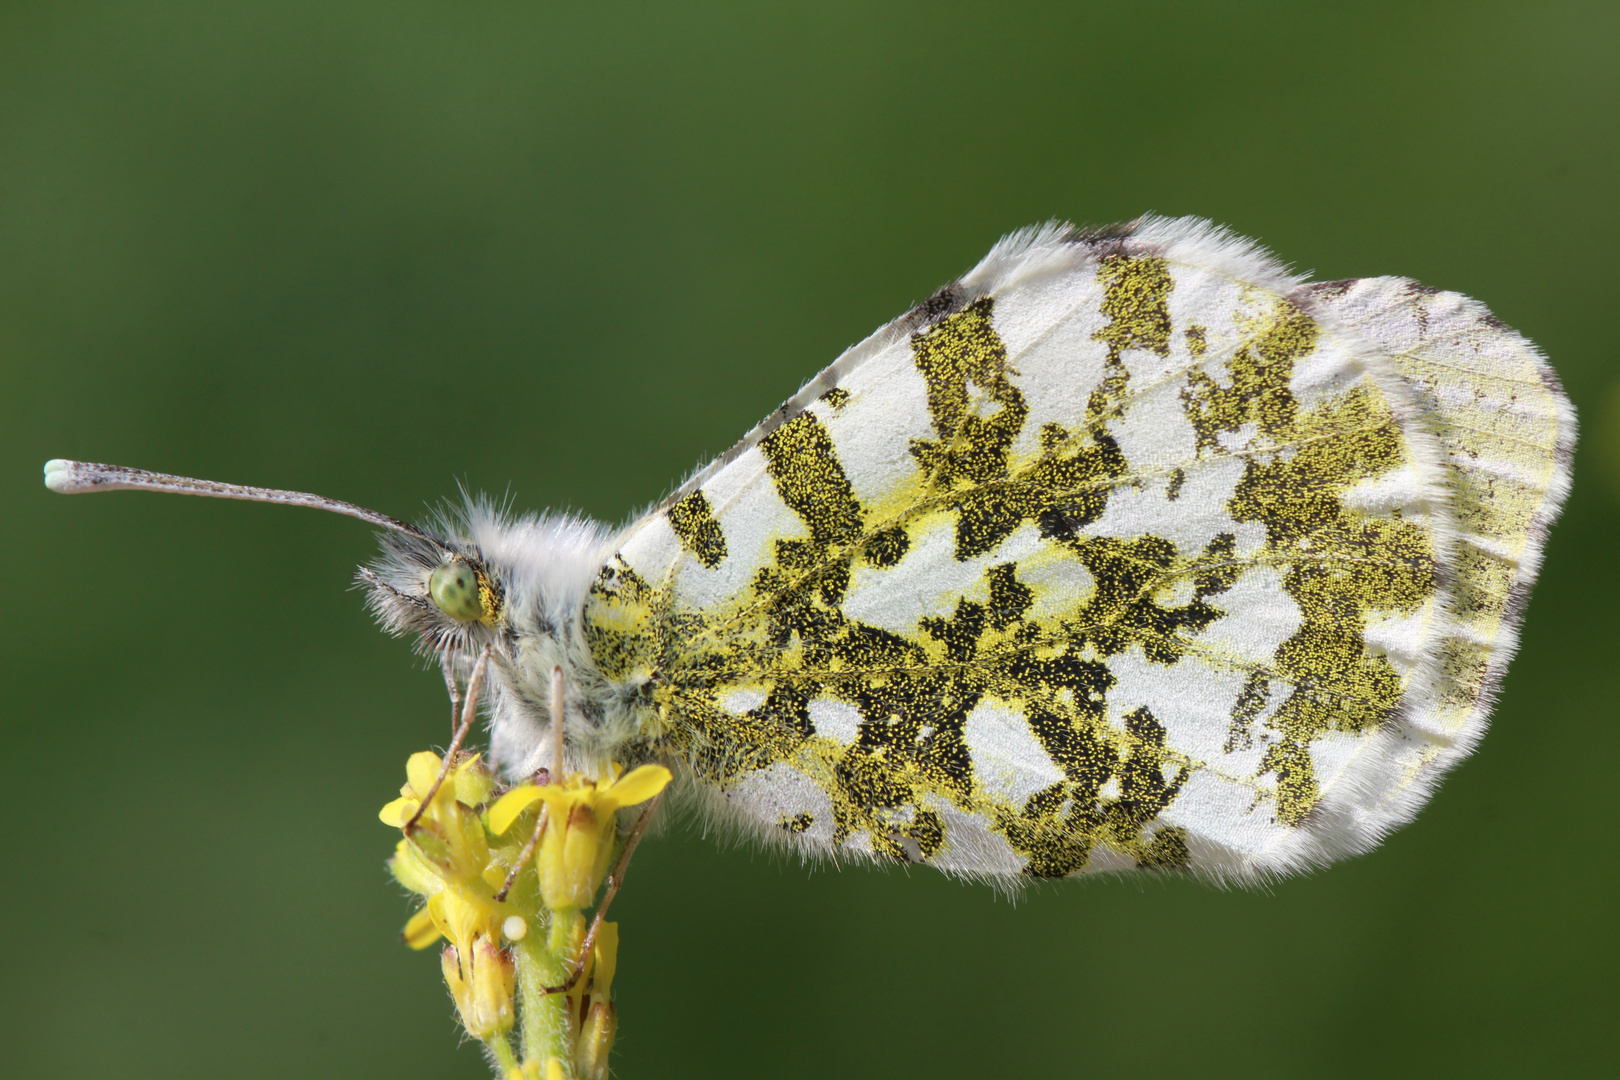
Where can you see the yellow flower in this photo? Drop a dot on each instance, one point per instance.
(578, 841)
(446, 857)
(469, 784)
(456, 854)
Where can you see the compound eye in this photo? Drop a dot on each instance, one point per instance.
(454, 589)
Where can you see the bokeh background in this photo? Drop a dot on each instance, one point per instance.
(376, 250)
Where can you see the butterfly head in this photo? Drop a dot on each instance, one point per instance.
(476, 577)
(439, 586)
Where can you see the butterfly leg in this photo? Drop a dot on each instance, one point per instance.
(468, 712)
(454, 689)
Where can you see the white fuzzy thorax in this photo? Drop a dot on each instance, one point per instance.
(543, 566)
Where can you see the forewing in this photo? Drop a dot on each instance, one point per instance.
(1125, 551)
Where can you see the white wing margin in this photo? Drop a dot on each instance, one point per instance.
(1507, 431)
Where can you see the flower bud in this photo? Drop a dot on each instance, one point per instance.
(573, 856)
(595, 1041)
(580, 829)
(482, 983)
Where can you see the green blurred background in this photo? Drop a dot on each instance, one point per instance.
(287, 243)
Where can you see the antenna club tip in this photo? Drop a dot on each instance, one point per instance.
(73, 477)
(62, 476)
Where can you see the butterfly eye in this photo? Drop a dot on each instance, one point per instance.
(454, 589)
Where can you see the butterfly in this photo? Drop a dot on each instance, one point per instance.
(1129, 550)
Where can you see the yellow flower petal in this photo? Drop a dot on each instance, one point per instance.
(435, 910)
(420, 931)
(414, 871)
(398, 812)
(422, 769)
(509, 807)
(636, 786)
(606, 954)
(462, 914)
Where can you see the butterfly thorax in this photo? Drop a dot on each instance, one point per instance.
(535, 575)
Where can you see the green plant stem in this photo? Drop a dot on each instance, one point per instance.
(544, 961)
(500, 1046)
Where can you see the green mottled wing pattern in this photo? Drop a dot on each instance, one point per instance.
(1126, 551)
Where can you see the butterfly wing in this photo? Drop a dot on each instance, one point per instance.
(1128, 550)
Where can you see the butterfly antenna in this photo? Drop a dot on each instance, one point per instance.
(76, 477)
